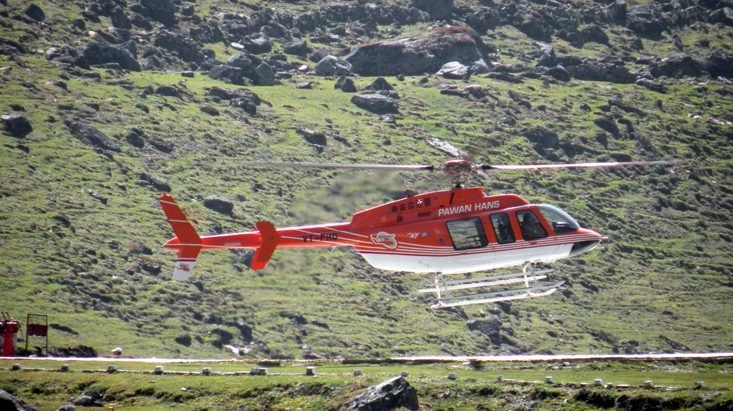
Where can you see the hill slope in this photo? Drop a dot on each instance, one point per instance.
(117, 117)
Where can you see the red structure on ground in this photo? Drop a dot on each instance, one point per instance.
(8, 330)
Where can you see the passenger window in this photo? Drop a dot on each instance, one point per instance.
(467, 233)
(502, 228)
(530, 225)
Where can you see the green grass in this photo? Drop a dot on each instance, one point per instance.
(135, 387)
(665, 274)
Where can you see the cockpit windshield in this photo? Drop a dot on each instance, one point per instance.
(560, 221)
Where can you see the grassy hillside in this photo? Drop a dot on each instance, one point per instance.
(81, 228)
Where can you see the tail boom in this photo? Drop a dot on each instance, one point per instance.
(188, 244)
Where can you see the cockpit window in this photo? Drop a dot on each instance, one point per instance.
(560, 221)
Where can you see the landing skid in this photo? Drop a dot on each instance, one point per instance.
(536, 284)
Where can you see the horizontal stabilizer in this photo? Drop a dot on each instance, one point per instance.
(269, 238)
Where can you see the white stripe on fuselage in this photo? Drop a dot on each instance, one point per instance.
(466, 263)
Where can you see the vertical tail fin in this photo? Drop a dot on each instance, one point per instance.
(186, 242)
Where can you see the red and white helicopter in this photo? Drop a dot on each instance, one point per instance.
(461, 230)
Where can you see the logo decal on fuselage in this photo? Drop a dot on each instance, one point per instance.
(386, 239)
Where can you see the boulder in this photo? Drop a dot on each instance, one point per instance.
(227, 73)
(490, 328)
(646, 20)
(418, 55)
(184, 47)
(119, 19)
(607, 124)
(319, 54)
(559, 73)
(677, 65)
(720, 64)
(651, 85)
(534, 25)
(389, 395)
(103, 53)
(379, 84)
(258, 45)
(298, 47)
(219, 204)
(163, 11)
(264, 75)
(333, 66)
(167, 91)
(376, 103)
(91, 135)
(135, 137)
(593, 70)
(17, 125)
(10, 402)
(542, 137)
(723, 15)
(35, 12)
(437, 9)
(155, 182)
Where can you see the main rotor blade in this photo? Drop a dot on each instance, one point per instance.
(575, 165)
(294, 164)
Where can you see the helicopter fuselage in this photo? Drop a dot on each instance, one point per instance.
(452, 231)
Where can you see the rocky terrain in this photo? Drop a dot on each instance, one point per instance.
(106, 104)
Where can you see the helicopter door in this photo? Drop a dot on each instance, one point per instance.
(466, 235)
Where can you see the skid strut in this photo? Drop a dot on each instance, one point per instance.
(536, 284)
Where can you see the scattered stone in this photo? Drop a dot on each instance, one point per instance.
(135, 137)
(212, 111)
(187, 74)
(314, 138)
(35, 12)
(454, 70)
(490, 328)
(258, 45)
(219, 204)
(184, 47)
(389, 395)
(168, 91)
(298, 47)
(226, 73)
(155, 182)
(559, 73)
(117, 351)
(10, 402)
(91, 135)
(304, 85)
(651, 85)
(16, 125)
(333, 66)
(264, 75)
(345, 84)
(88, 399)
(509, 78)
(437, 9)
(376, 103)
(608, 124)
(97, 53)
(319, 54)
(542, 137)
(677, 65)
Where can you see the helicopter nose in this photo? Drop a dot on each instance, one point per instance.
(588, 240)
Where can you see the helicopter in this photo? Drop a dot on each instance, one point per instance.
(460, 230)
